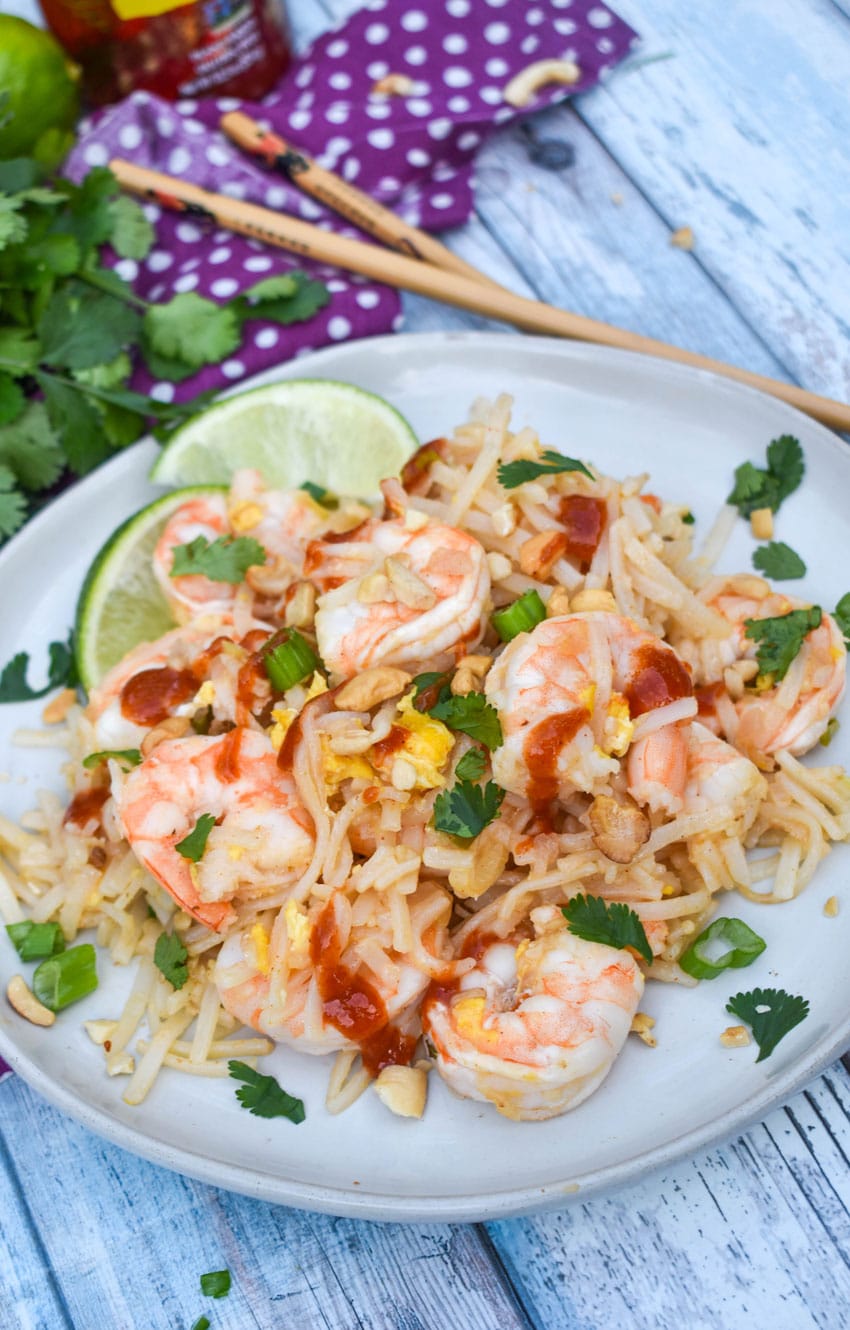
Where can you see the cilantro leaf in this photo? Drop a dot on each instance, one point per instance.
(841, 614)
(551, 463)
(471, 765)
(466, 809)
(132, 234)
(290, 298)
(616, 925)
(431, 677)
(781, 638)
(470, 714)
(191, 329)
(29, 448)
(263, 1096)
(770, 1013)
(170, 958)
(12, 400)
(756, 488)
(216, 1284)
(61, 672)
(786, 465)
(78, 424)
(131, 757)
(18, 173)
(81, 327)
(13, 227)
(779, 561)
(193, 846)
(88, 216)
(226, 559)
(13, 505)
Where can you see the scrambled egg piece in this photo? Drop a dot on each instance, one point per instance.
(245, 516)
(205, 695)
(283, 718)
(298, 931)
(318, 685)
(469, 1015)
(619, 728)
(260, 939)
(587, 697)
(342, 766)
(427, 745)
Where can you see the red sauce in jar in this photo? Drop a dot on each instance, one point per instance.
(151, 695)
(85, 807)
(542, 748)
(583, 519)
(660, 677)
(349, 1002)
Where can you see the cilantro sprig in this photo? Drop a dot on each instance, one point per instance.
(171, 959)
(470, 714)
(193, 846)
(226, 559)
(616, 925)
(779, 561)
(758, 487)
(466, 809)
(771, 1013)
(69, 327)
(263, 1096)
(551, 463)
(780, 639)
(61, 673)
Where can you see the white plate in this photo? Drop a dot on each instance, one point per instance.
(463, 1161)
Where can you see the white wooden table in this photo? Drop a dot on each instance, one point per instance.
(735, 120)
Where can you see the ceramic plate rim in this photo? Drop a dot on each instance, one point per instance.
(479, 1206)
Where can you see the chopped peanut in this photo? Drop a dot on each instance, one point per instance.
(831, 907)
(524, 86)
(26, 1003)
(409, 587)
(682, 238)
(539, 555)
(558, 603)
(301, 609)
(59, 706)
(735, 1036)
(593, 598)
(173, 727)
(402, 1090)
(368, 689)
(394, 85)
(642, 1026)
(500, 566)
(504, 520)
(619, 829)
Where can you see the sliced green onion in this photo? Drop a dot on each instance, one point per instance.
(525, 614)
(216, 1284)
(202, 1323)
(744, 946)
(289, 662)
(33, 942)
(64, 979)
(320, 495)
(829, 733)
(130, 756)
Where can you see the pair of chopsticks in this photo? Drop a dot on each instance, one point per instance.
(423, 266)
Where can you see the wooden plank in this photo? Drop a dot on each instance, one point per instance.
(740, 135)
(127, 1243)
(755, 1233)
(27, 1283)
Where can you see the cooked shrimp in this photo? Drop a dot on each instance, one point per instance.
(406, 595)
(705, 772)
(263, 835)
(164, 678)
(542, 1022)
(283, 521)
(205, 515)
(567, 694)
(791, 715)
(306, 982)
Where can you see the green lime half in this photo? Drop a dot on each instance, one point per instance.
(319, 430)
(121, 603)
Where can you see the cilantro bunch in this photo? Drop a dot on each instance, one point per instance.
(69, 328)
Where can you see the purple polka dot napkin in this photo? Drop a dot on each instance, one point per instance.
(4, 1070)
(412, 152)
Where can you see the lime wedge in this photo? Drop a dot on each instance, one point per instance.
(330, 433)
(120, 603)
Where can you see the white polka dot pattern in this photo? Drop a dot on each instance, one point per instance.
(413, 151)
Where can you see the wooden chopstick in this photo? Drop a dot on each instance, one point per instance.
(336, 193)
(383, 265)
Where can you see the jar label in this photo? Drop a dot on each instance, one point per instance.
(129, 9)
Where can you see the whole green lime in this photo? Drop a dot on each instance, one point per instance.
(39, 93)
